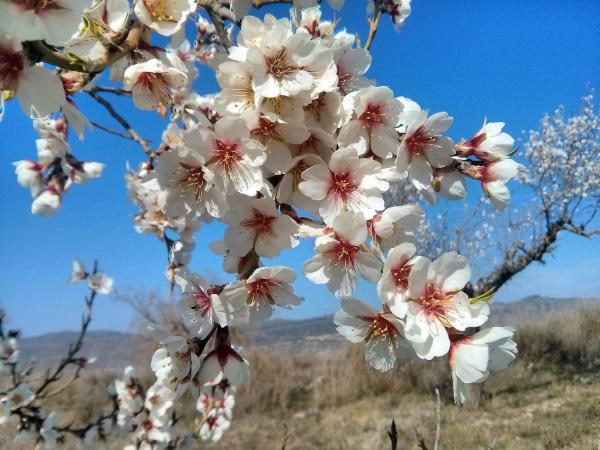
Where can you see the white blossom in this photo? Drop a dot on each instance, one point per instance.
(256, 224)
(380, 332)
(265, 288)
(165, 17)
(347, 183)
(152, 82)
(53, 21)
(340, 255)
(473, 357)
(437, 303)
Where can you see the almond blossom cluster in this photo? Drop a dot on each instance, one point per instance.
(424, 314)
(55, 170)
(298, 143)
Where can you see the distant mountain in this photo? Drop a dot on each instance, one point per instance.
(112, 349)
(115, 350)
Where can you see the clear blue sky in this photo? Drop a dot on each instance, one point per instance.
(507, 60)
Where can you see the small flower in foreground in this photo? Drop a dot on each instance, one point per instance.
(175, 362)
(488, 144)
(223, 363)
(256, 223)
(159, 402)
(202, 306)
(233, 157)
(29, 175)
(213, 427)
(166, 17)
(437, 303)
(47, 203)
(381, 332)
(265, 288)
(152, 82)
(341, 254)
(100, 283)
(424, 147)
(494, 179)
(348, 183)
(78, 274)
(472, 358)
(377, 115)
(393, 285)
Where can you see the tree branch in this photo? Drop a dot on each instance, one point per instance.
(130, 130)
(512, 265)
(373, 25)
(110, 130)
(73, 348)
(109, 89)
(260, 3)
(64, 61)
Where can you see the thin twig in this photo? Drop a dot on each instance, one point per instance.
(130, 130)
(110, 130)
(438, 419)
(260, 3)
(373, 24)
(219, 24)
(110, 90)
(52, 377)
(393, 435)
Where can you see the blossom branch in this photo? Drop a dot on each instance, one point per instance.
(64, 61)
(124, 123)
(74, 348)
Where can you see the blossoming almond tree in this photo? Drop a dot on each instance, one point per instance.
(298, 144)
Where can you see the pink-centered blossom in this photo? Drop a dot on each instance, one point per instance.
(347, 183)
(341, 255)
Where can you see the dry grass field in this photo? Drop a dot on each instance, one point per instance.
(548, 399)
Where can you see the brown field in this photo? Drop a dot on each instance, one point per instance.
(548, 399)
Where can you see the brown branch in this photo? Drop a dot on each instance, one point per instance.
(373, 25)
(260, 3)
(60, 59)
(130, 130)
(109, 89)
(110, 130)
(438, 419)
(393, 435)
(512, 264)
(219, 24)
(580, 230)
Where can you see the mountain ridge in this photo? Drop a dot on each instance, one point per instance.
(115, 350)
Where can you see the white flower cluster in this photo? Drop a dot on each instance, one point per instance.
(297, 143)
(425, 314)
(564, 160)
(216, 404)
(55, 170)
(98, 282)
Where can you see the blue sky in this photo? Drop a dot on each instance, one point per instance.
(507, 60)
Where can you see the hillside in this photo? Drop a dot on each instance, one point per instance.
(115, 350)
